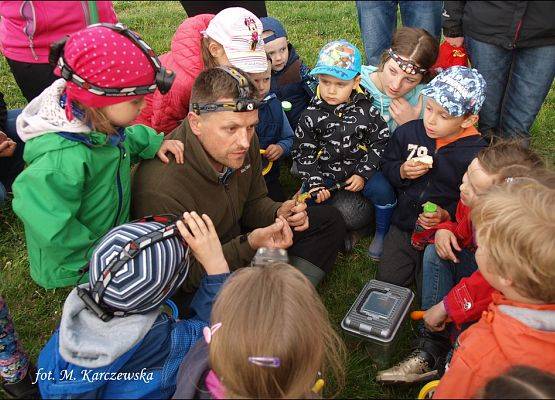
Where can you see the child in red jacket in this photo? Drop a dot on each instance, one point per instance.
(452, 258)
(515, 226)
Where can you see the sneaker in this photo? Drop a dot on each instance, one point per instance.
(23, 389)
(417, 367)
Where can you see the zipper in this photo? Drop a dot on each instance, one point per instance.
(122, 155)
(226, 188)
(29, 20)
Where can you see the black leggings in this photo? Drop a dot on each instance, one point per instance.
(193, 8)
(31, 78)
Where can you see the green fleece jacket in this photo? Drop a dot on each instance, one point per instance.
(238, 202)
(70, 195)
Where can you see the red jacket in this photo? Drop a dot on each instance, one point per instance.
(462, 228)
(497, 342)
(165, 112)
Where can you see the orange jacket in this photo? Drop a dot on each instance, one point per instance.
(497, 342)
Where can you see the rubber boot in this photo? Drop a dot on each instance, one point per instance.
(383, 219)
(311, 271)
(23, 389)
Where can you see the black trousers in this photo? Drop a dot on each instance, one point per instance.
(193, 8)
(31, 78)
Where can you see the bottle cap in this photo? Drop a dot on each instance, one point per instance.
(286, 105)
(429, 207)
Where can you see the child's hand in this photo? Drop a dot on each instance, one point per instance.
(173, 146)
(278, 235)
(402, 112)
(7, 148)
(435, 317)
(295, 214)
(322, 195)
(429, 220)
(445, 239)
(354, 184)
(411, 169)
(273, 152)
(200, 234)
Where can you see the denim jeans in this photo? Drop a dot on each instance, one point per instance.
(517, 83)
(10, 125)
(378, 20)
(439, 276)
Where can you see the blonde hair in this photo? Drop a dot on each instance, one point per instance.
(514, 222)
(273, 311)
(96, 119)
(207, 57)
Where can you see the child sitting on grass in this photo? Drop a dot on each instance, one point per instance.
(291, 80)
(273, 130)
(451, 258)
(447, 136)
(341, 136)
(515, 227)
(113, 340)
(79, 148)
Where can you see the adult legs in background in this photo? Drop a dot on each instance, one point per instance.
(197, 7)
(422, 14)
(31, 78)
(530, 79)
(377, 21)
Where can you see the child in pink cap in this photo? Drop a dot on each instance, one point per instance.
(79, 147)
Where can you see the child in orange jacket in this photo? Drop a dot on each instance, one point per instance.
(514, 223)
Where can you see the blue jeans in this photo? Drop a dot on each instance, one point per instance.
(10, 125)
(439, 276)
(517, 83)
(378, 20)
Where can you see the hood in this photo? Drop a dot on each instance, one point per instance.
(44, 114)
(357, 97)
(87, 341)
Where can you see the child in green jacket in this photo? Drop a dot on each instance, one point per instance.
(76, 186)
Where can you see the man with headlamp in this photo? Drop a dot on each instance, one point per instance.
(222, 177)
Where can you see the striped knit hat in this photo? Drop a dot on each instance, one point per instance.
(153, 262)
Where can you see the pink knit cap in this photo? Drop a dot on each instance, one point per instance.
(104, 58)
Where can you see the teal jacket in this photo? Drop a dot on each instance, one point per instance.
(76, 187)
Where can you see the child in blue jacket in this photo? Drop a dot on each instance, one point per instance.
(113, 340)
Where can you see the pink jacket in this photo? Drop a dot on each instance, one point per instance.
(165, 112)
(27, 28)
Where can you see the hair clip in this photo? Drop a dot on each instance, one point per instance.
(408, 66)
(270, 362)
(509, 179)
(208, 332)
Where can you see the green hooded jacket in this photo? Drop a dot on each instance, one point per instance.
(71, 194)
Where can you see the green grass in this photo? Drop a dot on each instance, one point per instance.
(310, 25)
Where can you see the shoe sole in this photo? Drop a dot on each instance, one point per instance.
(410, 378)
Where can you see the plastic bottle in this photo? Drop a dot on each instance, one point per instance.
(421, 236)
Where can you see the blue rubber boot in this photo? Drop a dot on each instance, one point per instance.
(383, 219)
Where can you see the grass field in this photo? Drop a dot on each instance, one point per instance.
(310, 25)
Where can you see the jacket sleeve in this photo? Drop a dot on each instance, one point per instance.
(466, 301)
(142, 141)
(376, 141)
(287, 135)
(305, 153)
(452, 18)
(392, 160)
(201, 306)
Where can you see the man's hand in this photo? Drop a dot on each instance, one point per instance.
(411, 169)
(402, 112)
(429, 220)
(278, 235)
(446, 241)
(200, 234)
(294, 214)
(7, 148)
(322, 194)
(273, 152)
(455, 41)
(435, 317)
(175, 147)
(354, 184)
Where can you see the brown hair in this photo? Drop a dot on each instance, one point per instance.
(96, 119)
(207, 58)
(520, 382)
(514, 222)
(214, 83)
(509, 158)
(414, 44)
(273, 311)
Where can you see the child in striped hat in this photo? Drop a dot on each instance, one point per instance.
(113, 340)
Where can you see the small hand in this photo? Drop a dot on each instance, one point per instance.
(429, 220)
(322, 194)
(355, 183)
(200, 234)
(455, 41)
(411, 169)
(7, 148)
(175, 147)
(273, 152)
(435, 317)
(402, 112)
(295, 214)
(446, 241)
(278, 235)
